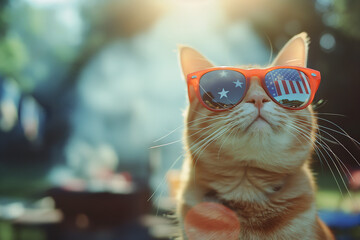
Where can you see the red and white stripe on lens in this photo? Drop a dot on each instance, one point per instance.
(284, 87)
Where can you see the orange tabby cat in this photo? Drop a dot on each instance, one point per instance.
(251, 162)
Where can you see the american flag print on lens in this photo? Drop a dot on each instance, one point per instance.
(289, 87)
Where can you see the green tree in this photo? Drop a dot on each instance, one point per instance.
(13, 52)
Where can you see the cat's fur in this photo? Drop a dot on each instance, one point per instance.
(259, 169)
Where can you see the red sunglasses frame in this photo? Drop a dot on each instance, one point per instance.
(193, 80)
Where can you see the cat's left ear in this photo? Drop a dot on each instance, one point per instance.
(192, 61)
(295, 52)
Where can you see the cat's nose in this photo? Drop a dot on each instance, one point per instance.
(258, 99)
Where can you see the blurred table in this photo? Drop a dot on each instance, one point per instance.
(80, 215)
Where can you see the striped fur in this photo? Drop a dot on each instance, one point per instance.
(259, 170)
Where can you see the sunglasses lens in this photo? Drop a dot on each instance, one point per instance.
(222, 89)
(289, 87)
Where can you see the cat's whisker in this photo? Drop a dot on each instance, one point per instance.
(332, 172)
(166, 144)
(279, 114)
(180, 157)
(201, 142)
(217, 117)
(168, 134)
(295, 135)
(345, 148)
(233, 112)
(215, 131)
(341, 132)
(315, 147)
(158, 202)
(206, 144)
(302, 133)
(173, 164)
(180, 140)
(196, 126)
(207, 116)
(326, 148)
(224, 140)
(181, 126)
(271, 48)
(339, 143)
(209, 138)
(164, 178)
(339, 160)
(307, 138)
(325, 138)
(317, 113)
(224, 127)
(318, 129)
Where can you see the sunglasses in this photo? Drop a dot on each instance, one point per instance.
(222, 88)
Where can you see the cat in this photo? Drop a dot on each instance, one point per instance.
(246, 177)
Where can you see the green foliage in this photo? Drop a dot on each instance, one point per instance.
(13, 59)
(36, 20)
(6, 231)
(349, 17)
(4, 20)
(13, 55)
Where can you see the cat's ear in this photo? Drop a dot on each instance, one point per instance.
(294, 53)
(191, 60)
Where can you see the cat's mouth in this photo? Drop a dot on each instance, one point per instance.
(258, 122)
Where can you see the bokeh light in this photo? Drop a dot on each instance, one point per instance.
(327, 42)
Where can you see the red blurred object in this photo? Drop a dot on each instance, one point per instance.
(354, 181)
(211, 221)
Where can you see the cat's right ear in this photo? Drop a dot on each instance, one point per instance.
(192, 61)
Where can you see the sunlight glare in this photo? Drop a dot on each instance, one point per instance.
(45, 3)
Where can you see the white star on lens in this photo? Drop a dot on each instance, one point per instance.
(223, 74)
(238, 83)
(223, 93)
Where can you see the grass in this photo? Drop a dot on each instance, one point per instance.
(6, 231)
(332, 197)
(22, 183)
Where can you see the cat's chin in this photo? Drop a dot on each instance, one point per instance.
(258, 125)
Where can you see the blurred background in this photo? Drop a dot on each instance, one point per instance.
(89, 88)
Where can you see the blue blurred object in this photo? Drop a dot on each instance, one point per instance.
(339, 219)
(32, 118)
(22, 120)
(9, 100)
